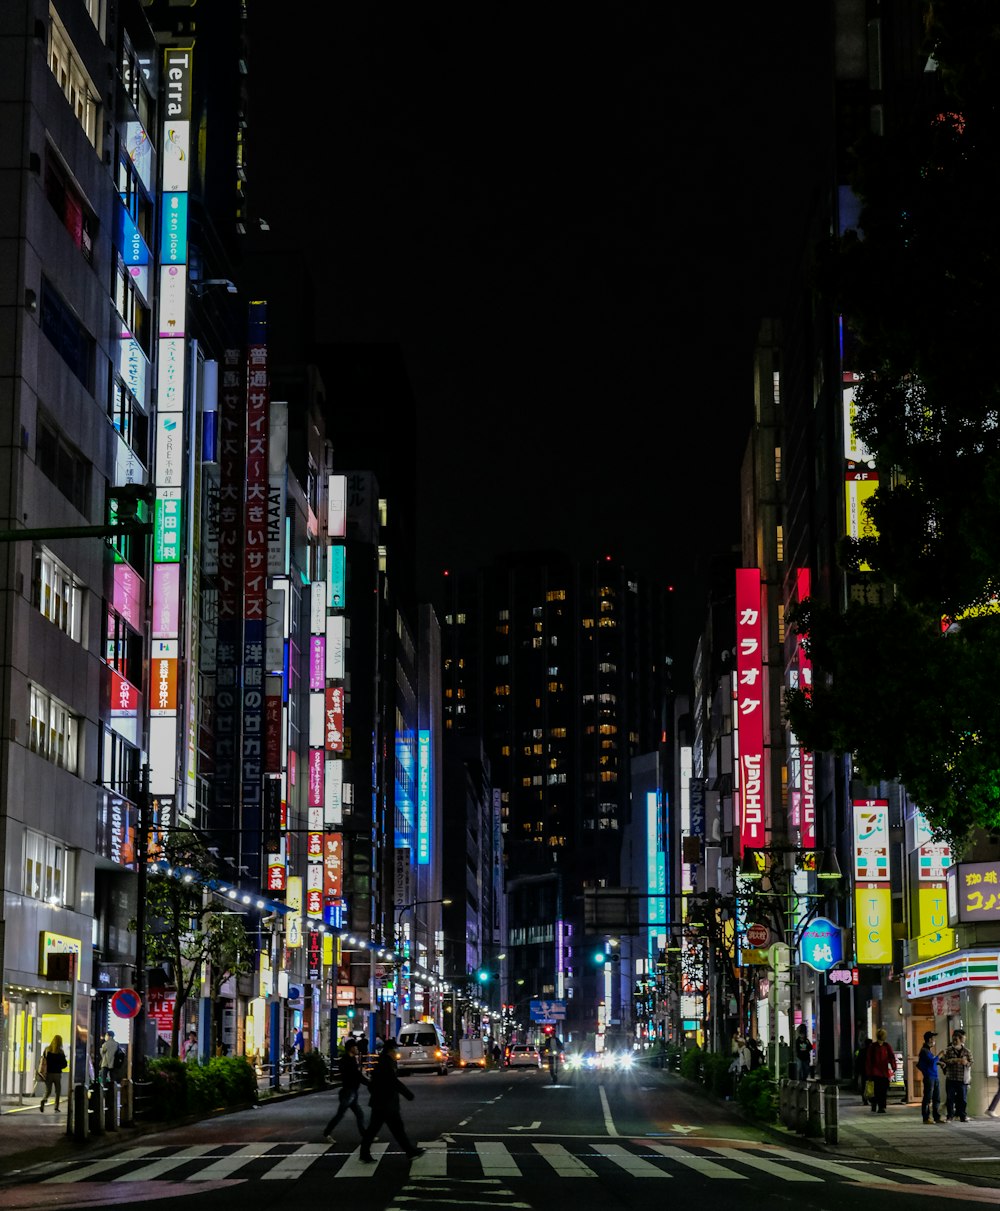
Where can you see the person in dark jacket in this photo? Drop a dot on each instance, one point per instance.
(351, 1080)
(860, 1058)
(51, 1068)
(927, 1065)
(384, 1090)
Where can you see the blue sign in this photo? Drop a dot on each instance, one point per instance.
(173, 232)
(548, 1011)
(822, 945)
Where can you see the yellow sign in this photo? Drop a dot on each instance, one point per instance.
(873, 924)
(57, 944)
(859, 488)
(934, 937)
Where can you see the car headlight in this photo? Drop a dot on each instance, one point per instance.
(573, 1061)
(625, 1060)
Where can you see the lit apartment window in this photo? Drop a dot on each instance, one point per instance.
(49, 869)
(57, 595)
(503, 615)
(777, 464)
(503, 659)
(536, 641)
(558, 733)
(71, 77)
(779, 543)
(607, 622)
(776, 387)
(587, 623)
(555, 595)
(781, 623)
(54, 731)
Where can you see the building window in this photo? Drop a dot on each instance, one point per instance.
(67, 201)
(779, 543)
(56, 594)
(66, 334)
(49, 869)
(63, 465)
(119, 765)
(71, 77)
(54, 729)
(130, 422)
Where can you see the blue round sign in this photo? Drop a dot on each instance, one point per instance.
(821, 945)
(126, 1003)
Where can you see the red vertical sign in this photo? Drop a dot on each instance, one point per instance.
(807, 821)
(750, 707)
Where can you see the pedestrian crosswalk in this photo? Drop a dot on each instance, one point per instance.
(488, 1160)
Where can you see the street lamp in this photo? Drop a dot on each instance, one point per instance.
(774, 868)
(406, 951)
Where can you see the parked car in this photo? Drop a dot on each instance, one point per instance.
(524, 1055)
(422, 1048)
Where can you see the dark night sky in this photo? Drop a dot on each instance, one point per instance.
(570, 223)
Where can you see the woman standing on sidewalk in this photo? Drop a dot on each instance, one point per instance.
(880, 1066)
(51, 1068)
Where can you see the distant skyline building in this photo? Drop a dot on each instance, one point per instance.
(564, 669)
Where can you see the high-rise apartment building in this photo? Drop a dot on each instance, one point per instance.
(564, 670)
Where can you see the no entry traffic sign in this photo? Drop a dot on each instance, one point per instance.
(126, 1003)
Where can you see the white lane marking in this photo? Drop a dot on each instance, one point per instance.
(433, 1163)
(633, 1165)
(534, 1126)
(96, 1167)
(229, 1164)
(154, 1169)
(563, 1161)
(760, 1162)
(496, 1160)
(700, 1163)
(846, 1171)
(933, 1179)
(354, 1166)
(297, 1162)
(609, 1122)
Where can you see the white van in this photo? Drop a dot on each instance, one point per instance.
(422, 1048)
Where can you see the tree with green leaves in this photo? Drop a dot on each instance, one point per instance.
(190, 928)
(906, 679)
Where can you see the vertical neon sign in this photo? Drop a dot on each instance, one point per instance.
(750, 707)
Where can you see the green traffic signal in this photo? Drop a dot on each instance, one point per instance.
(483, 976)
(600, 956)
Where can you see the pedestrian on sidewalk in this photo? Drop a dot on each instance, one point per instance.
(860, 1056)
(803, 1051)
(991, 1108)
(957, 1061)
(50, 1069)
(880, 1067)
(385, 1089)
(351, 1080)
(927, 1064)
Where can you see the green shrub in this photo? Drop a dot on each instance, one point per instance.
(178, 1088)
(716, 1075)
(691, 1063)
(315, 1069)
(756, 1093)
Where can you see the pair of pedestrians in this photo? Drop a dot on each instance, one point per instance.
(956, 1060)
(384, 1091)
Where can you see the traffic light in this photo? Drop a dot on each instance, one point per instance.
(351, 1011)
(482, 975)
(549, 1030)
(600, 956)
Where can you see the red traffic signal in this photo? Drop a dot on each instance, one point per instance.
(549, 1029)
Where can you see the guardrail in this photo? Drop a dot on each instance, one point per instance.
(810, 1108)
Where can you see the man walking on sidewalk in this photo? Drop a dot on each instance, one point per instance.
(927, 1063)
(957, 1061)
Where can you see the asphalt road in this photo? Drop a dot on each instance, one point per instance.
(507, 1139)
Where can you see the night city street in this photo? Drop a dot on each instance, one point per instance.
(493, 1139)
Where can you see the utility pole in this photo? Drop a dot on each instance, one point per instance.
(139, 1033)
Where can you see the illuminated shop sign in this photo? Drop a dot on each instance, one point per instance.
(933, 857)
(871, 840)
(334, 731)
(173, 232)
(139, 151)
(873, 924)
(821, 945)
(423, 797)
(656, 867)
(750, 708)
(167, 525)
(336, 519)
(807, 792)
(336, 578)
(974, 891)
(964, 969)
(933, 935)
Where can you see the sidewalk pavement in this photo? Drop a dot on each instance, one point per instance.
(899, 1137)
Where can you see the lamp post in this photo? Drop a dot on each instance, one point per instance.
(775, 867)
(405, 950)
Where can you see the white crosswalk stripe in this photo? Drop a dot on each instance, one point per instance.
(745, 1157)
(701, 1163)
(563, 1161)
(498, 1162)
(629, 1161)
